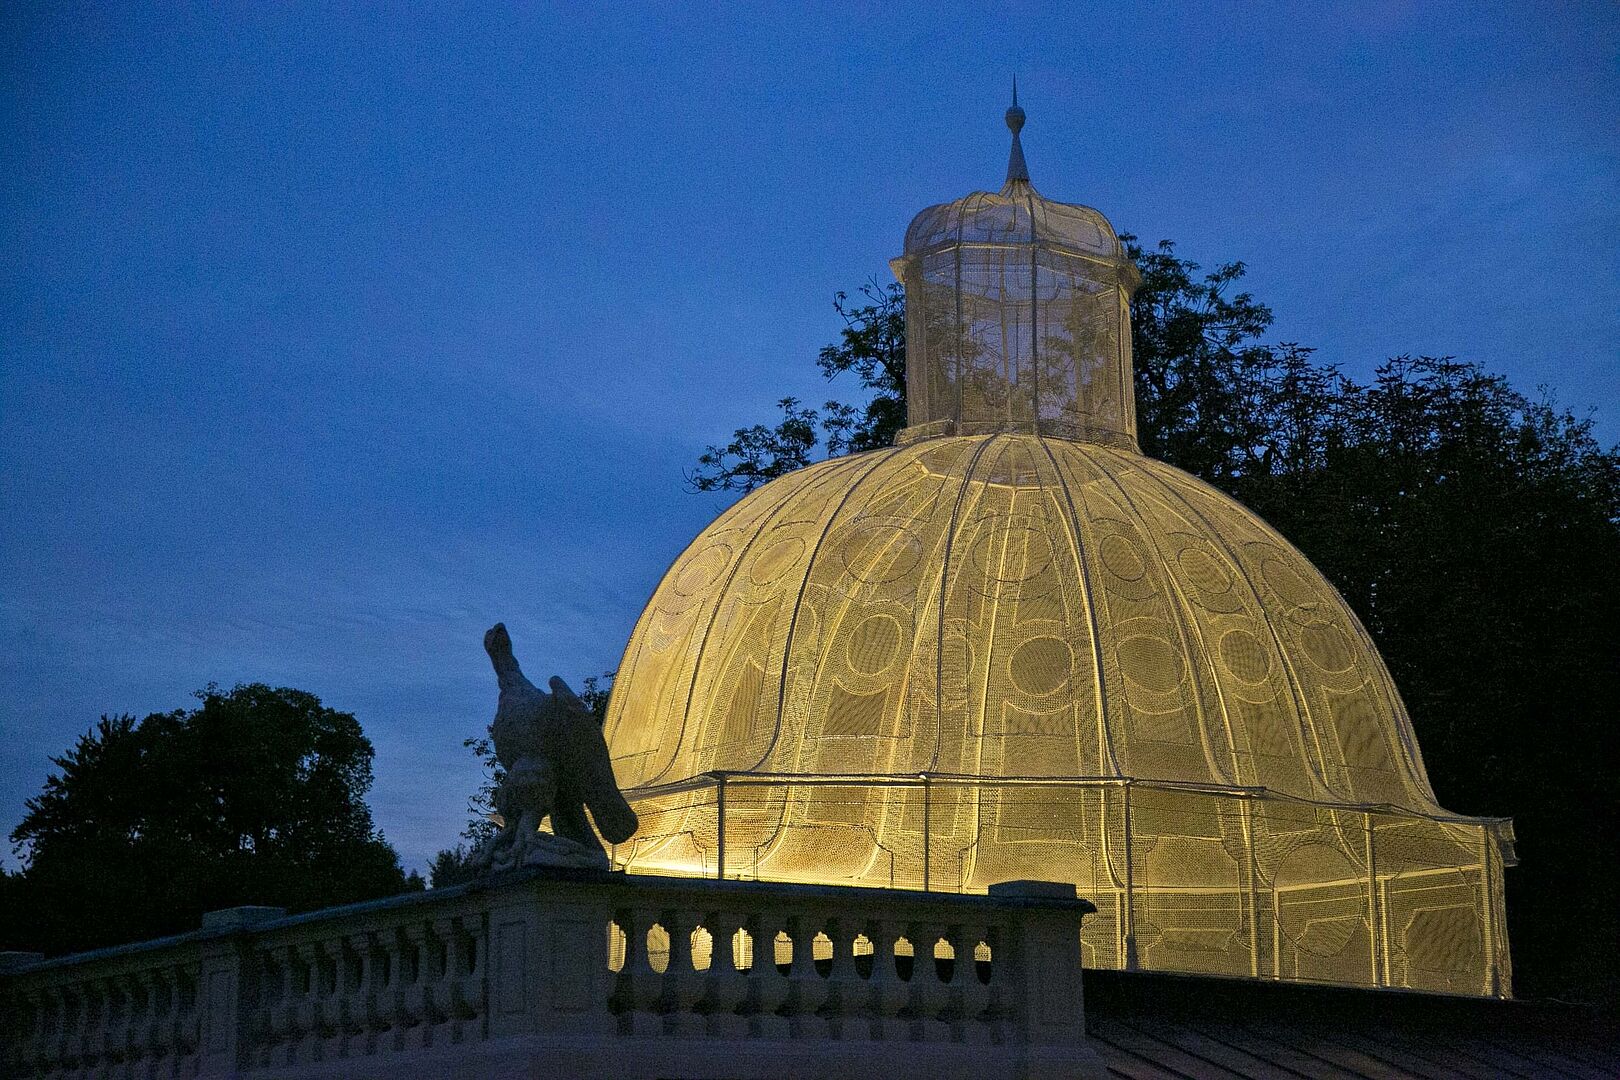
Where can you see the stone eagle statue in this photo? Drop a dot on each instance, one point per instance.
(556, 764)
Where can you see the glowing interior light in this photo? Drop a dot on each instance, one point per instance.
(1011, 647)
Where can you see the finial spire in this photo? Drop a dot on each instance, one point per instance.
(1016, 169)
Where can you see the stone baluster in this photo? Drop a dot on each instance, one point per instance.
(95, 1024)
(26, 1054)
(149, 985)
(290, 1026)
(39, 1054)
(276, 994)
(477, 978)
(96, 1005)
(753, 978)
(621, 1000)
(46, 1053)
(929, 996)
(147, 1033)
(253, 1007)
(450, 994)
(863, 1018)
(335, 998)
(455, 978)
(683, 983)
(269, 1002)
(843, 988)
(132, 1043)
(122, 1041)
(419, 993)
(382, 1015)
(56, 1047)
(54, 1050)
(979, 1020)
(160, 1023)
(371, 1010)
(82, 1049)
(890, 993)
(152, 1016)
(954, 1012)
(438, 971)
(66, 1023)
(77, 1027)
(118, 1020)
(401, 1017)
(308, 1019)
(771, 992)
(439, 946)
(389, 973)
(646, 983)
(355, 974)
(155, 1026)
(80, 1028)
(188, 1019)
(809, 989)
(726, 987)
(19, 1026)
(426, 988)
(307, 1014)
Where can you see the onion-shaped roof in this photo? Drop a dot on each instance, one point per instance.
(1008, 606)
(1017, 214)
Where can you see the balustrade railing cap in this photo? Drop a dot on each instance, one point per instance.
(232, 918)
(1038, 890)
(11, 961)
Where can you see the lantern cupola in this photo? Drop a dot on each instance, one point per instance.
(1017, 316)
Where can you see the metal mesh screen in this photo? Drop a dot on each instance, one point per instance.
(1246, 884)
(1013, 647)
(1011, 606)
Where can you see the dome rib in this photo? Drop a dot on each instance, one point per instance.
(1308, 729)
(1199, 660)
(1380, 672)
(629, 664)
(939, 600)
(1106, 756)
(722, 593)
(798, 602)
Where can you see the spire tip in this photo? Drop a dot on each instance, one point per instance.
(1016, 169)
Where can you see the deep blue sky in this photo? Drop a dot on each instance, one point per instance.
(328, 340)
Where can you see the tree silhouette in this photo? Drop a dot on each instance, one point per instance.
(257, 796)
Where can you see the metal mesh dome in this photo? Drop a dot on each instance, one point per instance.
(974, 659)
(993, 653)
(1009, 606)
(1016, 214)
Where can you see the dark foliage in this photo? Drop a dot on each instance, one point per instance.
(1477, 534)
(255, 797)
(1475, 531)
(872, 346)
(452, 866)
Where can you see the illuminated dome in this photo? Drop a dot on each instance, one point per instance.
(1010, 606)
(1013, 647)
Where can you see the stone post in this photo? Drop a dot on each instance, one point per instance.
(225, 994)
(1051, 1008)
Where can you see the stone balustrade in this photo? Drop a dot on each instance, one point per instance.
(577, 974)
